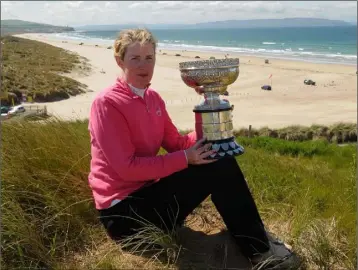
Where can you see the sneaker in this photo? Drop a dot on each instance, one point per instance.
(279, 256)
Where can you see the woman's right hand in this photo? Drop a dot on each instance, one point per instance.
(198, 152)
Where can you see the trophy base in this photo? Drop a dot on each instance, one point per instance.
(225, 148)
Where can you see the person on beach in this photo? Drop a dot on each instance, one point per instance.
(132, 185)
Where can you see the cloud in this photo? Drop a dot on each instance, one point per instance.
(159, 5)
(257, 7)
(141, 5)
(110, 5)
(120, 12)
(6, 4)
(215, 3)
(171, 5)
(73, 4)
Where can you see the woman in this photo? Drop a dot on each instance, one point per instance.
(131, 183)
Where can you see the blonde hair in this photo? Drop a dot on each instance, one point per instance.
(130, 36)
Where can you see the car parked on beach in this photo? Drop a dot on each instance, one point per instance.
(5, 109)
(17, 109)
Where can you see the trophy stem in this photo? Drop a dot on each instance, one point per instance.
(212, 99)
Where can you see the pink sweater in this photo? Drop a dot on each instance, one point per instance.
(127, 132)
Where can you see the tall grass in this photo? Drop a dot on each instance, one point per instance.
(46, 205)
(306, 192)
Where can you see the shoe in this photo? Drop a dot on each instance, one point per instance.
(279, 256)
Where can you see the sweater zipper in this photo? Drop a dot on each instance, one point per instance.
(145, 103)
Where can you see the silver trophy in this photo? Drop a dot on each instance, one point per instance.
(213, 117)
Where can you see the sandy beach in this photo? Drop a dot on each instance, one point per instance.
(291, 102)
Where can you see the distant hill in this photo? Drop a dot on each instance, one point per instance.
(260, 23)
(273, 23)
(9, 27)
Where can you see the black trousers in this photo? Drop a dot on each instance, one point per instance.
(168, 202)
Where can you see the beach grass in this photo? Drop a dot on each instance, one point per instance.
(337, 133)
(305, 191)
(39, 70)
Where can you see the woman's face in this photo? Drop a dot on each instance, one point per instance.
(138, 64)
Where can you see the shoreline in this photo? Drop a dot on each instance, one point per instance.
(46, 38)
(171, 47)
(270, 57)
(289, 103)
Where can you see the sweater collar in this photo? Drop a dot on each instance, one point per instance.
(125, 86)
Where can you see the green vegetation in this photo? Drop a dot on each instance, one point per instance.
(338, 133)
(36, 69)
(306, 192)
(9, 27)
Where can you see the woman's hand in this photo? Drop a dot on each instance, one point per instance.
(198, 152)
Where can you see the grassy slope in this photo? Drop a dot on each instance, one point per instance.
(33, 67)
(305, 191)
(19, 26)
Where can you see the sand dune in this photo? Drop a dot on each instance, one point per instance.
(291, 102)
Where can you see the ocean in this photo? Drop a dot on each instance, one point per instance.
(316, 44)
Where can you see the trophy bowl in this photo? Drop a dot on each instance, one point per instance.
(213, 75)
(213, 116)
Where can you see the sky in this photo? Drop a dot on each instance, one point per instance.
(77, 13)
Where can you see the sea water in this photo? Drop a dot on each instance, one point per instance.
(313, 44)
